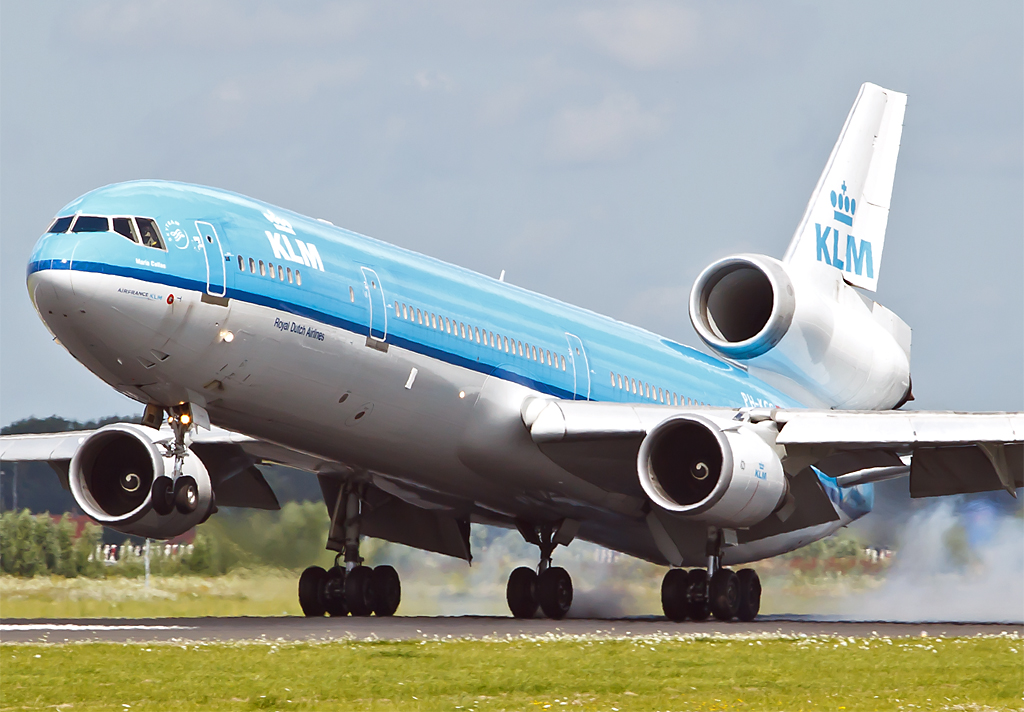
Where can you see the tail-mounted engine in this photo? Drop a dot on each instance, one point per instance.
(728, 476)
(112, 478)
(807, 326)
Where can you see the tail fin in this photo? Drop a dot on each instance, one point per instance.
(844, 224)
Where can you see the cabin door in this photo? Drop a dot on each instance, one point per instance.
(580, 367)
(215, 269)
(378, 321)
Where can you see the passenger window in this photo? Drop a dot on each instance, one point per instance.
(91, 223)
(613, 378)
(298, 278)
(61, 224)
(149, 233)
(270, 269)
(263, 269)
(351, 294)
(280, 273)
(289, 271)
(533, 350)
(433, 321)
(398, 310)
(632, 382)
(252, 265)
(419, 317)
(476, 330)
(562, 359)
(124, 227)
(241, 260)
(505, 340)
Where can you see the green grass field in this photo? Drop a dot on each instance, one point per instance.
(651, 673)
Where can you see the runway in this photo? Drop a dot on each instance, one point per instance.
(294, 628)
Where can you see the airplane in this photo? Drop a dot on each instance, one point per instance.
(427, 398)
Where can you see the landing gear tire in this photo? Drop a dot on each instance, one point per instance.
(697, 594)
(554, 592)
(750, 595)
(521, 592)
(332, 592)
(310, 591)
(673, 595)
(387, 590)
(359, 591)
(163, 495)
(724, 594)
(186, 494)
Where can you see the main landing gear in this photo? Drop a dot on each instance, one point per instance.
(352, 588)
(549, 587)
(723, 593)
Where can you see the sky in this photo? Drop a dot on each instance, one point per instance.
(601, 153)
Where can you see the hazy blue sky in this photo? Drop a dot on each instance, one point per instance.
(600, 153)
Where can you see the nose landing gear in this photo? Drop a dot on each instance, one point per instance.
(352, 588)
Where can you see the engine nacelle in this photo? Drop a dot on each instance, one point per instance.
(730, 478)
(112, 475)
(804, 326)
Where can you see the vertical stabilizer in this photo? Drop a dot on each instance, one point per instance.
(844, 224)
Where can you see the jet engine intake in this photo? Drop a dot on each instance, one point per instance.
(111, 478)
(725, 475)
(803, 326)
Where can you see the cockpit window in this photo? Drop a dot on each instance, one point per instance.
(91, 223)
(150, 233)
(124, 226)
(61, 224)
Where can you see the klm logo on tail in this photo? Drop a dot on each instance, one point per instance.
(858, 258)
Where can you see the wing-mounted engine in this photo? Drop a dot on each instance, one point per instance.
(112, 475)
(727, 476)
(803, 325)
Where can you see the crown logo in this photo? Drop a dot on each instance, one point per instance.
(285, 226)
(844, 206)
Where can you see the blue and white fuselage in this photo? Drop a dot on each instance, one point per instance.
(297, 332)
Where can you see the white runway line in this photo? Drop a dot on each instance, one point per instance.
(92, 626)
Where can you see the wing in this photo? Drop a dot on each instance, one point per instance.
(942, 452)
(395, 513)
(229, 457)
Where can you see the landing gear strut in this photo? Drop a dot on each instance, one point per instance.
(550, 587)
(723, 593)
(352, 587)
(178, 491)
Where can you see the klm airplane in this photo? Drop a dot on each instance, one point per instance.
(427, 398)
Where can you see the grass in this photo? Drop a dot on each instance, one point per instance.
(550, 673)
(242, 593)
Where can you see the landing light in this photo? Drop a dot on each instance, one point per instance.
(226, 336)
(185, 419)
